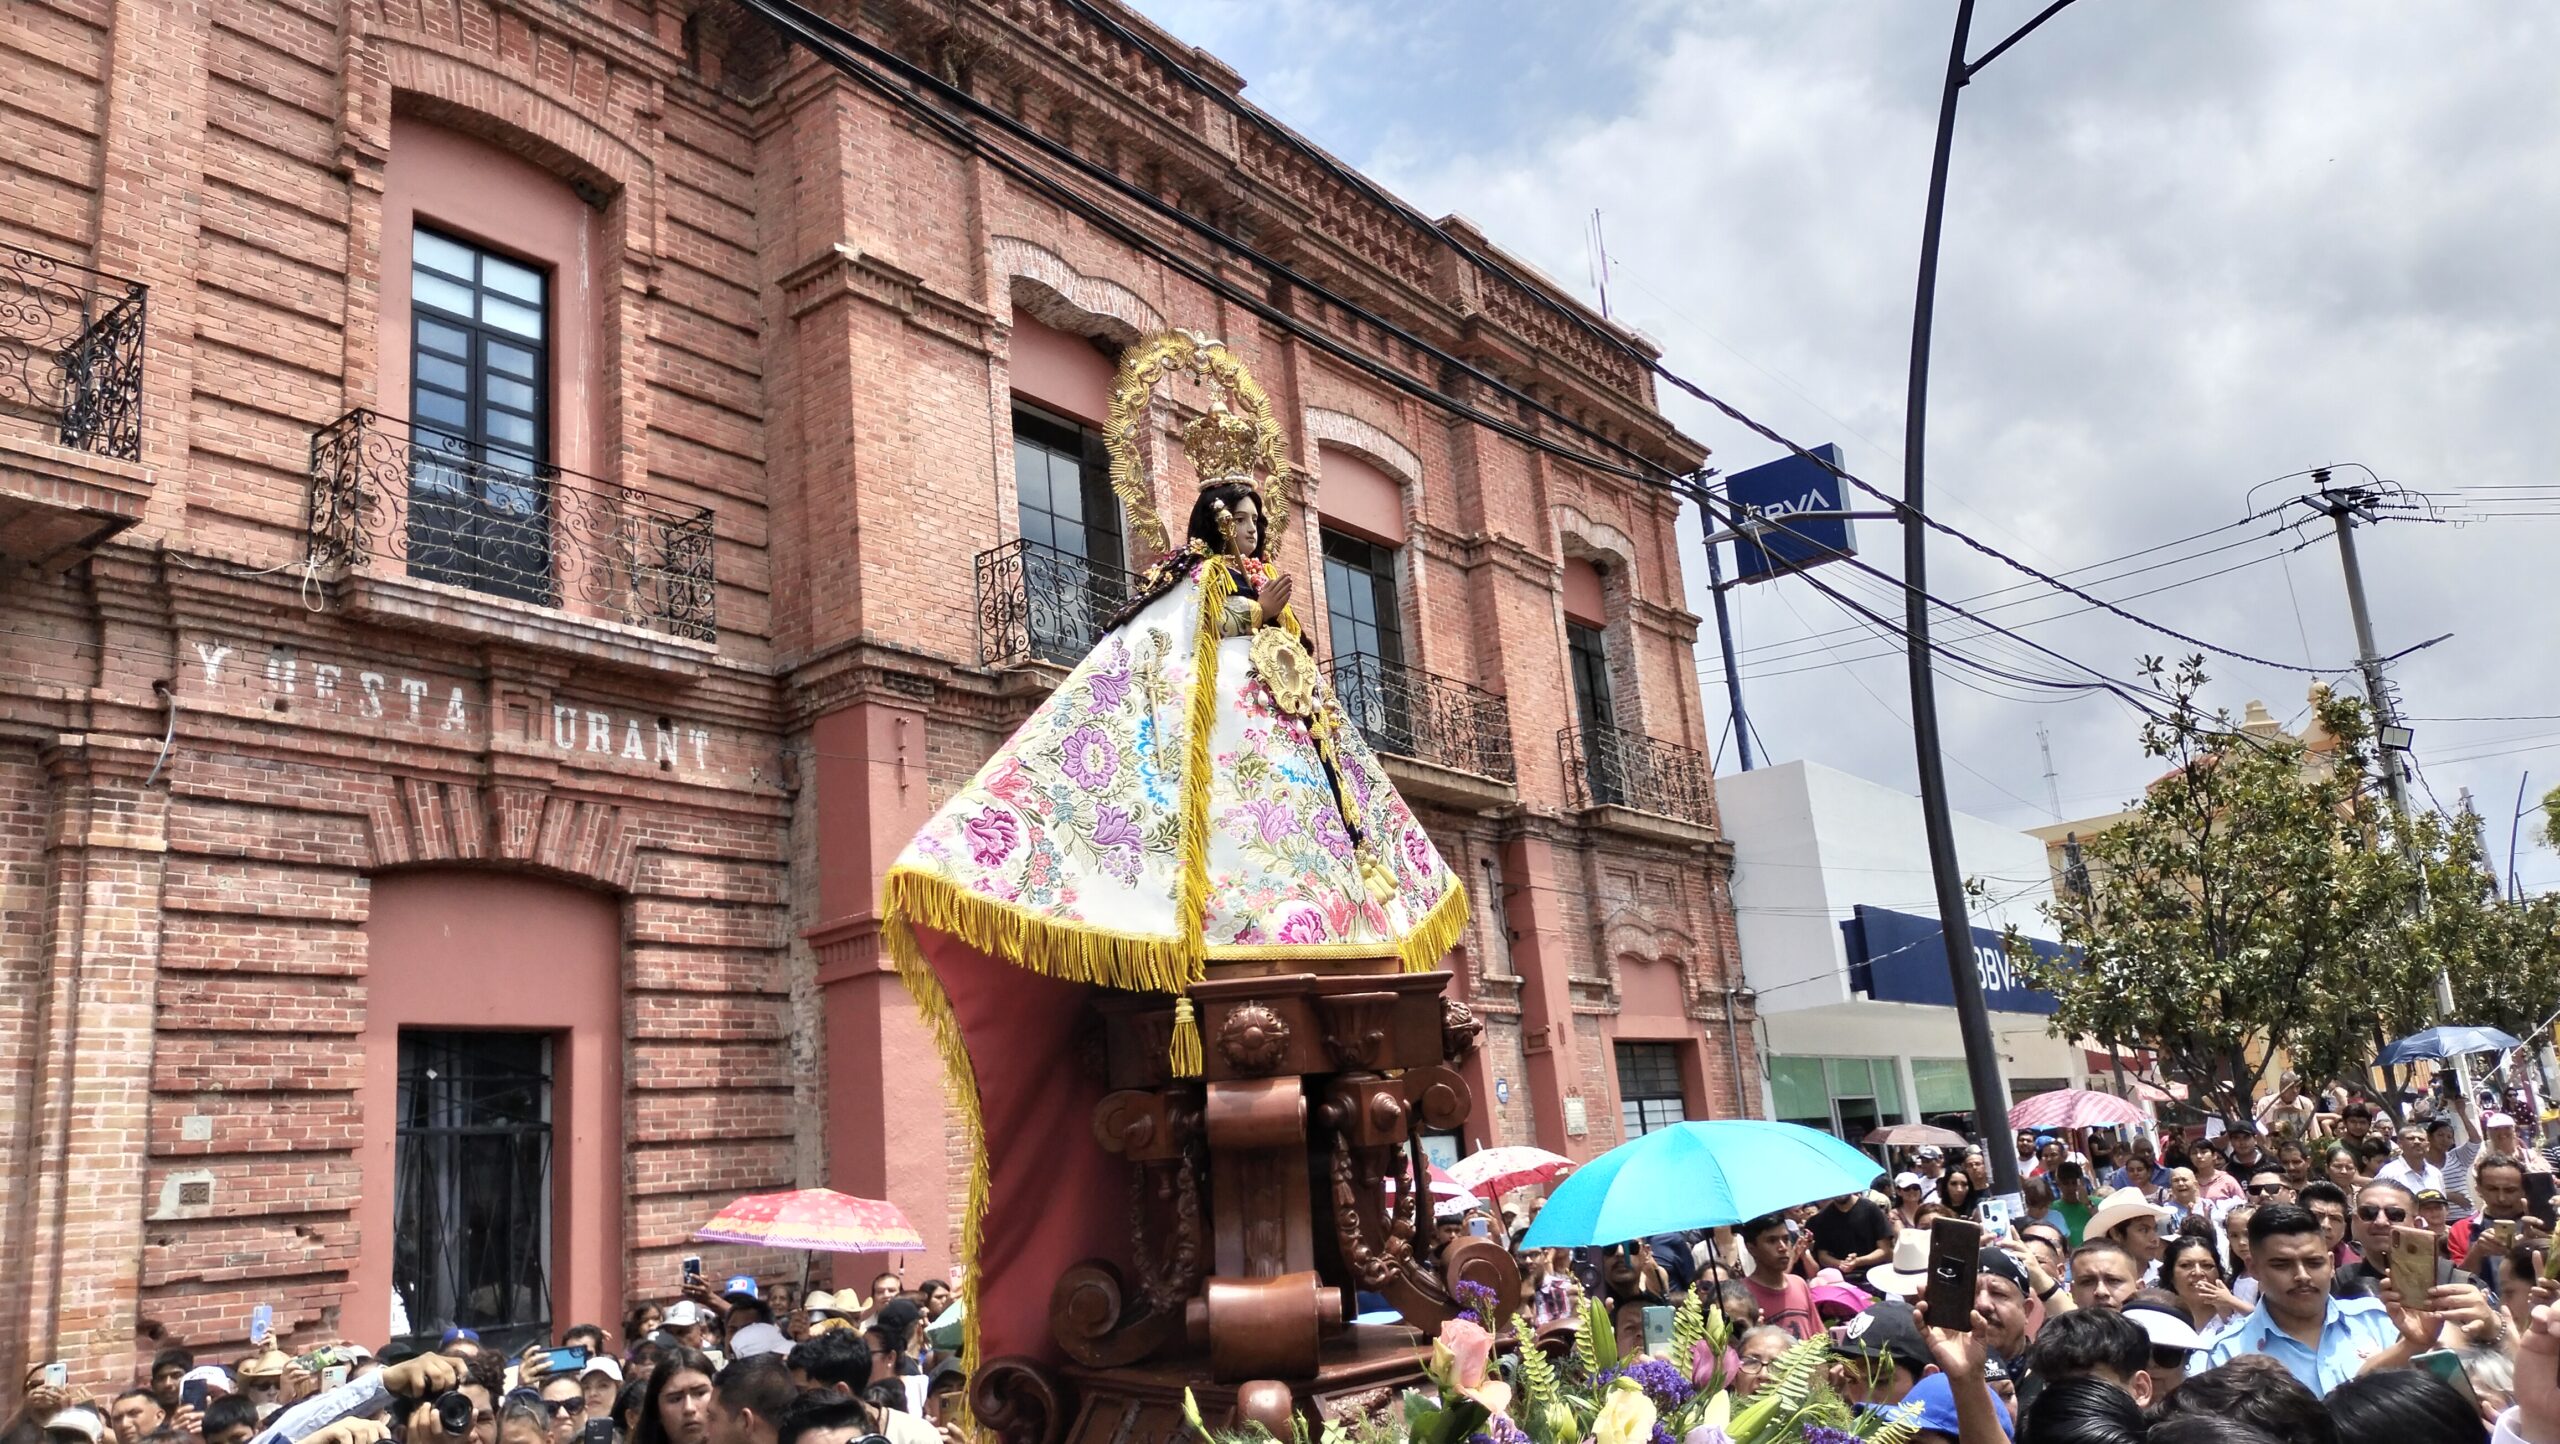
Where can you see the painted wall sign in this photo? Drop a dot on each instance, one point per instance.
(394, 701)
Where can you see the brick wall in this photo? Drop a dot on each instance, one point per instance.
(804, 304)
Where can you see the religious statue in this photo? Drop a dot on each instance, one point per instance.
(1187, 839)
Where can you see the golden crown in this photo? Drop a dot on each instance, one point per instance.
(1221, 445)
(1236, 439)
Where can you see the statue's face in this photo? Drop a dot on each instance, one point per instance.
(1245, 527)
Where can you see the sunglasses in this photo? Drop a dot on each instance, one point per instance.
(2378, 1212)
(559, 1407)
(2265, 1190)
(2169, 1358)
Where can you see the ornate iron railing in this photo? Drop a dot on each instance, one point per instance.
(384, 491)
(1037, 603)
(1413, 713)
(1612, 767)
(71, 352)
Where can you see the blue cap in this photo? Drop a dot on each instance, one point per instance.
(468, 1336)
(740, 1285)
(1931, 1405)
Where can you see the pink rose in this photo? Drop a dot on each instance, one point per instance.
(1470, 1353)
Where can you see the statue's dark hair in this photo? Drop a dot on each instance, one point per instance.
(1201, 540)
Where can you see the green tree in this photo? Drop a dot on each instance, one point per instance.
(2502, 957)
(2256, 898)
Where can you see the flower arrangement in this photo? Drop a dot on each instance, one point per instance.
(1594, 1396)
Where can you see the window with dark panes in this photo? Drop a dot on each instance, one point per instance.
(1649, 1095)
(1368, 639)
(1071, 557)
(479, 485)
(471, 1244)
(1595, 708)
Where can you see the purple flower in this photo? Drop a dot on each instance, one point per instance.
(991, 837)
(1088, 758)
(1326, 827)
(1417, 851)
(1272, 818)
(1304, 925)
(1475, 1301)
(1113, 827)
(1111, 687)
(1825, 1434)
(1660, 1379)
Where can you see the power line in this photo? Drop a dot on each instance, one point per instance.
(831, 42)
(2037, 592)
(2029, 622)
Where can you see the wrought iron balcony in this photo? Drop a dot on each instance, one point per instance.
(1412, 713)
(1038, 603)
(1612, 767)
(71, 352)
(384, 492)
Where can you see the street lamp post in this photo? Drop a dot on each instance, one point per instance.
(1982, 1059)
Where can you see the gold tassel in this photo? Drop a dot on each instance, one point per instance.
(1185, 1054)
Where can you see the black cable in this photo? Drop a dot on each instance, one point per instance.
(823, 37)
(1718, 676)
(829, 41)
(1795, 647)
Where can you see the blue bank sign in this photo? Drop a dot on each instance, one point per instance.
(1899, 958)
(1781, 491)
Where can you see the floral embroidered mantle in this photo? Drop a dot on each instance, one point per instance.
(1074, 849)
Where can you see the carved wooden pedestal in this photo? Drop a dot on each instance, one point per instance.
(1262, 1207)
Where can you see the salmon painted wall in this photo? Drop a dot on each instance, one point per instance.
(503, 952)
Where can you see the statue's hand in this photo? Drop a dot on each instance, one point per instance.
(1276, 594)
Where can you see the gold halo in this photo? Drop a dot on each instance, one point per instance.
(1202, 358)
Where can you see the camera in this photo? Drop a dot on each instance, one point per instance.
(454, 1413)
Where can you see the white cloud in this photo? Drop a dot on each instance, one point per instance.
(2189, 246)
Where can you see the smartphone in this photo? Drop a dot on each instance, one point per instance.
(2551, 1259)
(262, 1323)
(2445, 1364)
(1658, 1319)
(2502, 1235)
(569, 1360)
(1480, 1227)
(1955, 1259)
(599, 1430)
(2413, 1265)
(693, 1266)
(194, 1394)
(334, 1376)
(57, 1375)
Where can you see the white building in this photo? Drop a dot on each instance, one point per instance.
(1815, 849)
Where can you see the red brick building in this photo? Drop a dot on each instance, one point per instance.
(512, 513)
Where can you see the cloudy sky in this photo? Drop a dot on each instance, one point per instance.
(2190, 247)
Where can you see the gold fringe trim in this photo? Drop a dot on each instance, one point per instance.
(1076, 952)
(962, 1081)
(1217, 584)
(1438, 932)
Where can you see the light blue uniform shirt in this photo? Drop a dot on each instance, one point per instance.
(2355, 1330)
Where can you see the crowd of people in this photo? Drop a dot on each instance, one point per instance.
(713, 1366)
(2243, 1277)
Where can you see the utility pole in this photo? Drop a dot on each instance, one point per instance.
(1724, 636)
(2346, 508)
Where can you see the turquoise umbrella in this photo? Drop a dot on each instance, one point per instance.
(1697, 1175)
